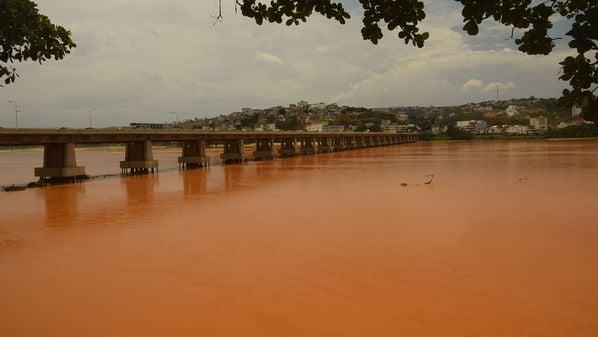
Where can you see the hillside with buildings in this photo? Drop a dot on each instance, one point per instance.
(514, 116)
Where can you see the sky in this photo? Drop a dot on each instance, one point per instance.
(159, 60)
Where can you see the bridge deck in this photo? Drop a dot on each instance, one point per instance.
(79, 136)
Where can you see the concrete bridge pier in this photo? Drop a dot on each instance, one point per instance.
(324, 145)
(360, 142)
(234, 151)
(307, 146)
(264, 149)
(350, 143)
(338, 144)
(139, 158)
(194, 154)
(59, 163)
(287, 147)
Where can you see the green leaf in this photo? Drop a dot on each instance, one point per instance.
(471, 28)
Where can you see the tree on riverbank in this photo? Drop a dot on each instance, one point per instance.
(455, 133)
(25, 34)
(574, 131)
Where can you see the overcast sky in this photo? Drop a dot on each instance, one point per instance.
(141, 60)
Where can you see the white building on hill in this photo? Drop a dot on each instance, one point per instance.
(539, 123)
(517, 129)
(512, 110)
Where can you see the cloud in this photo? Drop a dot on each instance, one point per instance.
(475, 84)
(494, 85)
(267, 58)
(140, 62)
(472, 84)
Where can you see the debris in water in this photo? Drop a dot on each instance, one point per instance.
(429, 181)
(13, 188)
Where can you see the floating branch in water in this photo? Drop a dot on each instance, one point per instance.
(431, 176)
(13, 188)
(429, 181)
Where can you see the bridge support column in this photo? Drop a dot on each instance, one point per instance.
(287, 147)
(264, 149)
(307, 146)
(360, 142)
(139, 158)
(349, 143)
(324, 145)
(59, 163)
(194, 154)
(234, 151)
(338, 144)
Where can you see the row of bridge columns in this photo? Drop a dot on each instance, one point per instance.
(60, 161)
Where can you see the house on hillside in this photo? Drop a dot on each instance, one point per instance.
(539, 124)
(473, 126)
(517, 129)
(333, 128)
(512, 110)
(390, 127)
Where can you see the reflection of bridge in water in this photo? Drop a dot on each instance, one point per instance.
(60, 162)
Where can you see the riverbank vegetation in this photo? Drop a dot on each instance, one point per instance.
(574, 131)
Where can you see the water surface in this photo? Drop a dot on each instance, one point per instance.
(503, 242)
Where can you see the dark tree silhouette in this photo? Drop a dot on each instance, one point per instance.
(25, 34)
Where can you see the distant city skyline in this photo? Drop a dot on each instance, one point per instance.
(139, 62)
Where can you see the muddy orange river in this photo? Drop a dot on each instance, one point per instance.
(502, 242)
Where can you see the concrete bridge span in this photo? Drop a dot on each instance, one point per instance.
(59, 146)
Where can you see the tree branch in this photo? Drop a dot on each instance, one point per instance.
(218, 18)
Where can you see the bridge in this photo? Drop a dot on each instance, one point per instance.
(59, 146)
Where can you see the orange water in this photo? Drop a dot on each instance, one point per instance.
(503, 242)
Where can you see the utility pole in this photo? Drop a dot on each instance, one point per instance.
(176, 115)
(90, 110)
(497, 92)
(16, 114)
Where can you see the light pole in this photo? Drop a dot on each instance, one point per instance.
(16, 114)
(90, 110)
(176, 115)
